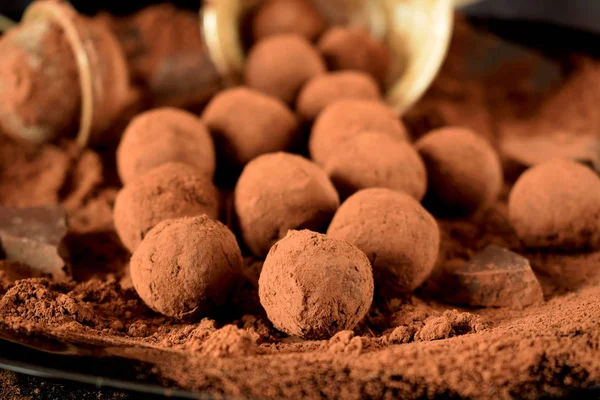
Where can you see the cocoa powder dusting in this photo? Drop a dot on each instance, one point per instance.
(408, 346)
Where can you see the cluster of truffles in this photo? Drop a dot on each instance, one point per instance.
(354, 218)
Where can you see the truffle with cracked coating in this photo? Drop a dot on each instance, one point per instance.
(186, 267)
(314, 286)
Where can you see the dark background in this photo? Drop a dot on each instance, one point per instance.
(582, 14)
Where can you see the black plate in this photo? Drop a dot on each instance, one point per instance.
(45, 357)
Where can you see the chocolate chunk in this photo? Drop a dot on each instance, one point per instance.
(34, 236)
(495, 277)
(528, 151)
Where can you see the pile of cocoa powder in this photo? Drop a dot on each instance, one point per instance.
(409, 347)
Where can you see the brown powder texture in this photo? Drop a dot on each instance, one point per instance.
(186, 267)
(297, 195)
(164, 135)
(173, 190)
(463, 171)
(403, 348)
(348, 118)
(313, 286)
(557, 204)
(275, 17)
(354, 49)
(246, 123)
(374, 159)
(280, 65)
(39, 83)
(398, 235)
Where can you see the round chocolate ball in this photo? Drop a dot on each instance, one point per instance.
(280, 65)
(557, 205)
(172, 190)
(246, 123)
(400, 238)
(278, 192)
(275, 17)
(323, 90)
(463, 171)
(186, 267)
(374, 159)
(39, 82)
(314, 286)
(164, 135)
(348, 118)
(353, 48)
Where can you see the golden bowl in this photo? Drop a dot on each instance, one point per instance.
(417, 32)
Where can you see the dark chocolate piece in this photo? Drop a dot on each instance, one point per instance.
(495, 277)
(528, 151)
(34, 236)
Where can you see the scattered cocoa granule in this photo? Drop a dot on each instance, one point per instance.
(172, 190)
(296, 195)
(246, 123)
(463, 171)
(348, 118)
(229, 341)
(275, 17)
(557, 205)
(313, 286)
(372, 220)
(164, 135)
(374, 159)
(346, 343)
(354, 49)
(186, 267)
(280, 65)
(324, 90)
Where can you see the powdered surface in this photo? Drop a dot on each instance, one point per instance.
(410, 347)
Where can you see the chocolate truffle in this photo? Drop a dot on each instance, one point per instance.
(323, 90)
(374, 159)
(314, 286)
(288, 16)
(397, 234)
(186, 267)
(353, 48)
(280, 65)
(348, 118)
(172, 190)
(40, 86)
(39, 82)
(164, 135)
(557, 205)
(278, 192)
(246, 123)
(463, 171)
